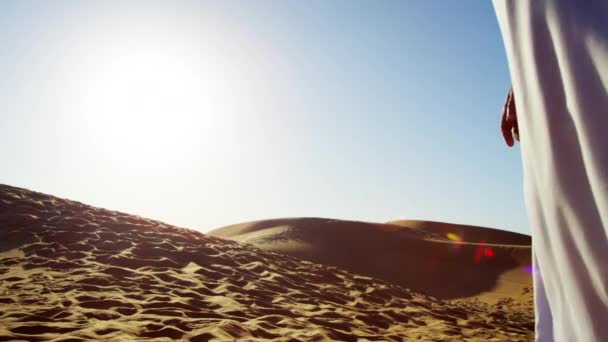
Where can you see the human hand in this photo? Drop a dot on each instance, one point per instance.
(508, 125)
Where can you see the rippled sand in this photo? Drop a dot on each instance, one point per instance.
(72, 272)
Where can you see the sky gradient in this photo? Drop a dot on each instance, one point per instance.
(208, 113)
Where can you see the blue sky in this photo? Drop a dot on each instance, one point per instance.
(203, 114)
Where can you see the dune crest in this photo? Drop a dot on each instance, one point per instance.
(72, 272)
(468, 233)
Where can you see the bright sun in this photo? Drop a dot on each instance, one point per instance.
(150, 102)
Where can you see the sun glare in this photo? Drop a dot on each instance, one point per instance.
(151, 103)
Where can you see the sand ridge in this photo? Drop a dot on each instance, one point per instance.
(468, 233)
(448, 261)
(72, 272)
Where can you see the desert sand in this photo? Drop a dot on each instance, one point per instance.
(72, 272)
(447, 261)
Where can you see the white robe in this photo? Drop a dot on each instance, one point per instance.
(558, 59)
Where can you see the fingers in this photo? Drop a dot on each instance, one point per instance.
(506, 124)
(512, 111)
(508, 136)
(512, 116)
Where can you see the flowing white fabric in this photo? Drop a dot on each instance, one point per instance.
(558, 59)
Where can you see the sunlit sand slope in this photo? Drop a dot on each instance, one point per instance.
(71, 272)
(444, 260)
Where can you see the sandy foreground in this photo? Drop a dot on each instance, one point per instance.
(72, 272)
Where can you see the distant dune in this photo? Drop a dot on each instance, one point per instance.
(444, 260)
(72, 272)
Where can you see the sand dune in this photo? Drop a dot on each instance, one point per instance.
(72, 272)
(443, 260)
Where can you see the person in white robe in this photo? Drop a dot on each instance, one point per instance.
(557, 52)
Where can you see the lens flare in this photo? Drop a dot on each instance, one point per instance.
(528, 269)
(457, 239)
(479, 252)
(488, 252)
(454, 237)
